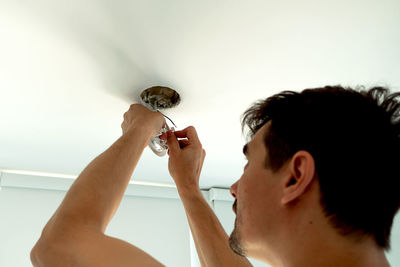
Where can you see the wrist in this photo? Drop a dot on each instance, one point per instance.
(136, 131)
(189, 192)
(140, 136)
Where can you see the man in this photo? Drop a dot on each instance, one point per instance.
(319, 189)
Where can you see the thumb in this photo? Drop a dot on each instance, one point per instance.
(172, 142)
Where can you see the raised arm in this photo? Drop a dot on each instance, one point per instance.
(74, 236)
(186, 159)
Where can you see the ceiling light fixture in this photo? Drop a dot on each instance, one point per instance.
(156, 98)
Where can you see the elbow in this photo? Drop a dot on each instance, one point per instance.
(54, 247)
(43, 253)
(36, 254)
(38, 251)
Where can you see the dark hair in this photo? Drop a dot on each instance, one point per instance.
(354, 138)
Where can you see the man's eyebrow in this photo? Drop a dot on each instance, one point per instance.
(246, 149)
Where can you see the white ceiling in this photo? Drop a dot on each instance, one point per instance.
(70, 69)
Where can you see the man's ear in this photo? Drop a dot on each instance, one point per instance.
(302, 169)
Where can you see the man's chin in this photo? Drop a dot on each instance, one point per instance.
(235, 242)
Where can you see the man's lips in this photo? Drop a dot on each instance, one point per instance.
(234, 207)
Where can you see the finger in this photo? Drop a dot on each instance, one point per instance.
(183, 143)
(163, 136)
(172, 143)
(204, 155)
(189, 133)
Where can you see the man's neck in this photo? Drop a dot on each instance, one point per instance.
(308, 239)
(318, 244)
(331, 255)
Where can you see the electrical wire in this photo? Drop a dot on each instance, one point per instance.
(168, 118)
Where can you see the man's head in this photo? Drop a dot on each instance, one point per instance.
(343, 142)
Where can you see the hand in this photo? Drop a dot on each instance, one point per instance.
(186, 158)
(140, 116)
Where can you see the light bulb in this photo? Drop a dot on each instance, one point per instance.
(158, 145)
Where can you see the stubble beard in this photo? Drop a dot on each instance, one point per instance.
(235, 240)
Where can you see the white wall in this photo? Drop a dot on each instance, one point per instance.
(394, 254)
(152, 218)
(158, 225)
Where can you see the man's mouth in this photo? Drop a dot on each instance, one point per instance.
(234, 207)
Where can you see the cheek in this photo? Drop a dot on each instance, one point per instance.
(250, 207)
(257, 203)
(251, 222)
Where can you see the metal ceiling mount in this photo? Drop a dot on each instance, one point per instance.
(160, 97)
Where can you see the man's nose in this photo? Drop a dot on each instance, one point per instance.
(234, 188)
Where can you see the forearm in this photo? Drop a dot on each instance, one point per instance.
(211, 240)
(96, 194)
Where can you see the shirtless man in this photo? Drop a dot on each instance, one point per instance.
(320, 187)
